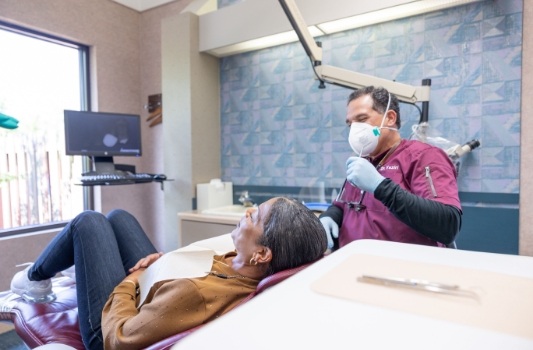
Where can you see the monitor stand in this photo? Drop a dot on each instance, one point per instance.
(103, 165)
(106, 165)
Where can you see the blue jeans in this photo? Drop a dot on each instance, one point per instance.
(102, 250)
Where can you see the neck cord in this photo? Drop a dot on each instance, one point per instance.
(386, 156)
(222, 275)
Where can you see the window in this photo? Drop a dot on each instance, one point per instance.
(40, 76)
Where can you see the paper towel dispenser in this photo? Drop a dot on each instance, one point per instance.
(214, 194)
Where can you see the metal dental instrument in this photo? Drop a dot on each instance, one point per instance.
(423, 285)
(358, 206)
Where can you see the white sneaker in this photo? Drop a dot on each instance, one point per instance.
(32, 291)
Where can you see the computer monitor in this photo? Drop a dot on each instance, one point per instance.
(101, 136)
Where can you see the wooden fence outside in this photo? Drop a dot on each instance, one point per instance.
(37, 186)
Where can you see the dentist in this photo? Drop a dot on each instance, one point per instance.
(395, 189)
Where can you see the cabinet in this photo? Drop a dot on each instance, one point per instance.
(194, 226)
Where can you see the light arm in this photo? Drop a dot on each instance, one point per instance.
(344, 77)
(354, 80)
(298, 24)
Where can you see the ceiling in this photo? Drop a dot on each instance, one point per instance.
(142, 5)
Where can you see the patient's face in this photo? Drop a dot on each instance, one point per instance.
(248, 232)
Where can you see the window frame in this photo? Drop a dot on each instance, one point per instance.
(85, 102)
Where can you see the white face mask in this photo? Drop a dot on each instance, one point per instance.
(364, 137)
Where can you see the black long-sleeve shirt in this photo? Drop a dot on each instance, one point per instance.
(432, 219)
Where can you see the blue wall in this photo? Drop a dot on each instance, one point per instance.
(279, 129)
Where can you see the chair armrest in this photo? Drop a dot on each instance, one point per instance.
(33, 322)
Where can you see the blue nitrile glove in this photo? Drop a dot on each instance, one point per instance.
(361, 173)
(8, 122)
(332, 229)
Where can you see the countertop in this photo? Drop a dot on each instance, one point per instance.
(194, 215)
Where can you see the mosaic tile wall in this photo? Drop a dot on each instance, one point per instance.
(280, 129)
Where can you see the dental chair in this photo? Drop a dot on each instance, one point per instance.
(57, 322)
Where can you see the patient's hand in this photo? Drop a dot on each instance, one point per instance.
(145, 262)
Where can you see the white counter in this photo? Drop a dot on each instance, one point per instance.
(194, 215)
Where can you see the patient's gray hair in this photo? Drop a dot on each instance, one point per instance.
(293, 233)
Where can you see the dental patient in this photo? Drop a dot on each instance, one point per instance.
(110, 254)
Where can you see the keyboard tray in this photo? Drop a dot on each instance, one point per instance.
(117, 178)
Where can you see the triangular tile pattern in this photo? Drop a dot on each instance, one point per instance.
(280, 129)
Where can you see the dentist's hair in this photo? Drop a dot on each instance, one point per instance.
(380, 97)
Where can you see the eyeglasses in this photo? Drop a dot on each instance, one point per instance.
(357, 206)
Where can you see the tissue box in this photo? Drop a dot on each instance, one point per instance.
(214, 194)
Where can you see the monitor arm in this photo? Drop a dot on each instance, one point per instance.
(347, 78)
